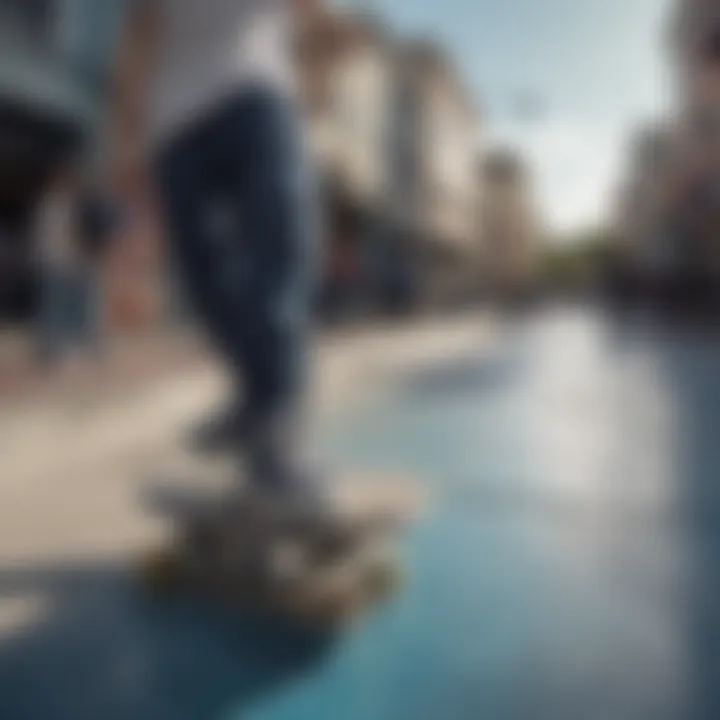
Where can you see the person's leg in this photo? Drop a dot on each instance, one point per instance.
(279, 235)
(52, 318)
(87, 311)
(187, 179)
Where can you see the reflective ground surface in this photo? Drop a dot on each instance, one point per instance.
(569, 570)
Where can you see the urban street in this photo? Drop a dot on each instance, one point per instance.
(359, 360)
(567, 566)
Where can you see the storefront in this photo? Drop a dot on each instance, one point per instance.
(55, 60)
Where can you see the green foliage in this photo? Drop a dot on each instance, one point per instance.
(578, 260)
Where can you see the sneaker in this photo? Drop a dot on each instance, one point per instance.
(305, 492)
(221, 432)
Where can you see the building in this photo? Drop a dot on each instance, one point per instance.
(690, 208)
(647, 245)
(668, 215)
(346, 70)
(510, 223)
(395, 133)
(435, 149)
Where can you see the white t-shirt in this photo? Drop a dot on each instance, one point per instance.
(209, 48)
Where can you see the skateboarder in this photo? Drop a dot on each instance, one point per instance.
(237, 200)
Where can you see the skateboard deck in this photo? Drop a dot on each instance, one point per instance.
(252, 550)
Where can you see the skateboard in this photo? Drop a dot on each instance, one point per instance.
(254, 551)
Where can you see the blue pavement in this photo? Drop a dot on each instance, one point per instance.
(569, 570)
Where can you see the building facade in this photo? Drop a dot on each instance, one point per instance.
(695, 197)
(346, 74)
(438, 136)
(669, 217)
(56, 60)
(648, 247)
(510, 225)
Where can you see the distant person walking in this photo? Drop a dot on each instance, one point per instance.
(69, 317)
(6, 279)
(237, 201)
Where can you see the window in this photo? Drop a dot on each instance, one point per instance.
(706, 122)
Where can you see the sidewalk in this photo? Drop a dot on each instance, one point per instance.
(127, 361)
(116, 415)
(73, 473)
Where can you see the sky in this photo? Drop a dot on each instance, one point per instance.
(591, 71)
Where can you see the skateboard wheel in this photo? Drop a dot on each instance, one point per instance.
(332, 611)
(383, 579)
(160, 570)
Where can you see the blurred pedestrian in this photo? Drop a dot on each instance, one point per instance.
(238, 205)
(68, 240)
(6, 262)
(99, 222)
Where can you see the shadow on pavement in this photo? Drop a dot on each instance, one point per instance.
(101, 649)
(214, 433)
(469, 374)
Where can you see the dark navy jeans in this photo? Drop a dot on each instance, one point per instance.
(70, 312)
(240, 217)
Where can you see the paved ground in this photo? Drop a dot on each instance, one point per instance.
(569, 570)
(74, 462)
(126, 362)
(153, 390)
